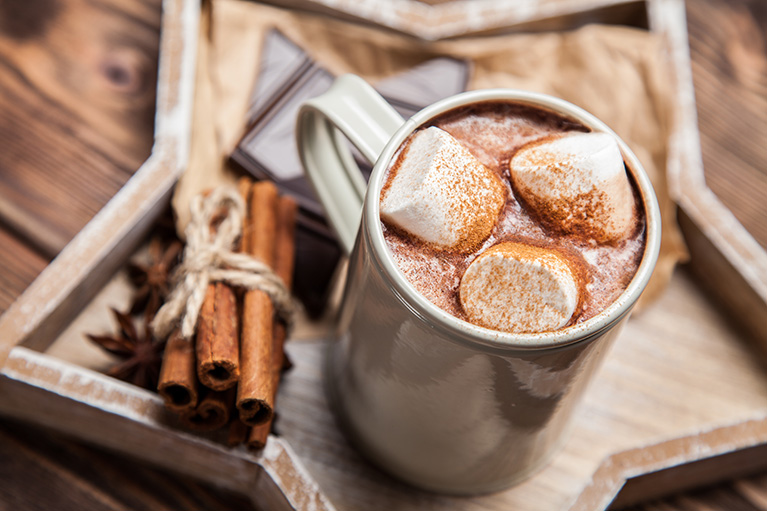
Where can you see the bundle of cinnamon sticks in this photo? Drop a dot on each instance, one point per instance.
(229, 374)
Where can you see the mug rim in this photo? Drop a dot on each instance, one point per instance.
(469, 333)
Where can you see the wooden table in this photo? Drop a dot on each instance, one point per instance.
(77, 85)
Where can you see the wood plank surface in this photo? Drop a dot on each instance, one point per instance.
(20, 265)
(76, 106)
(64, 474)
(77, 92)
(728, 49)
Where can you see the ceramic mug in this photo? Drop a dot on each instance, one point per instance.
(436, 401)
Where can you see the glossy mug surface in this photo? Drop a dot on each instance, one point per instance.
(436, 401)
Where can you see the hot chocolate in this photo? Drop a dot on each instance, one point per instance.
(512, 217)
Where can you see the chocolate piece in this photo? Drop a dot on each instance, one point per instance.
(287, 77)
(282, 62)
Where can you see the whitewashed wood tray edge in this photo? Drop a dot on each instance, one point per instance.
(443, 20)
(130, 420)
(724, 256)
(643, 474)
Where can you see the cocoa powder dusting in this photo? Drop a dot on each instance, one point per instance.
(493, 132)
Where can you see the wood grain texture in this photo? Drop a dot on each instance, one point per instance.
(19, 265)
(38, 473)
(40, 469)
(134, 422)
(728, 49)
(720, 221)
(77, 92)
(741, 495)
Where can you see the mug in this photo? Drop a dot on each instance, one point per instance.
(438, 402)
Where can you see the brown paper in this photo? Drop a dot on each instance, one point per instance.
(616, 73)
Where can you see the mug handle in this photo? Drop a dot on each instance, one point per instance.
(368, 121)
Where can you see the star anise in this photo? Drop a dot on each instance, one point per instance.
(152, 281)
(142, 353)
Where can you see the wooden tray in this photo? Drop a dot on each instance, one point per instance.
(443, 19)
(680, 401)
(41, 387)
(725, 257)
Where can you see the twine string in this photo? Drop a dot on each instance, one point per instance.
(208, 257)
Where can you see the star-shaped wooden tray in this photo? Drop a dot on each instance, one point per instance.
(680, 401)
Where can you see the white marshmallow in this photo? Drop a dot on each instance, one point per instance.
(513, 287)
(576, 184)
(439, 192)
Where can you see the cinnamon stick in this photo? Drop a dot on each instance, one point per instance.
(258, 435)
(212, 413)
(244, 185)
(255, 399)
(238, 433)
(283, 266)
(217, 345)
(284, 260)
(178, 380)
(217, 342)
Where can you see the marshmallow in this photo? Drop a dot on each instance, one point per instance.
(519, 288)
(439, 192)
(576, 184)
